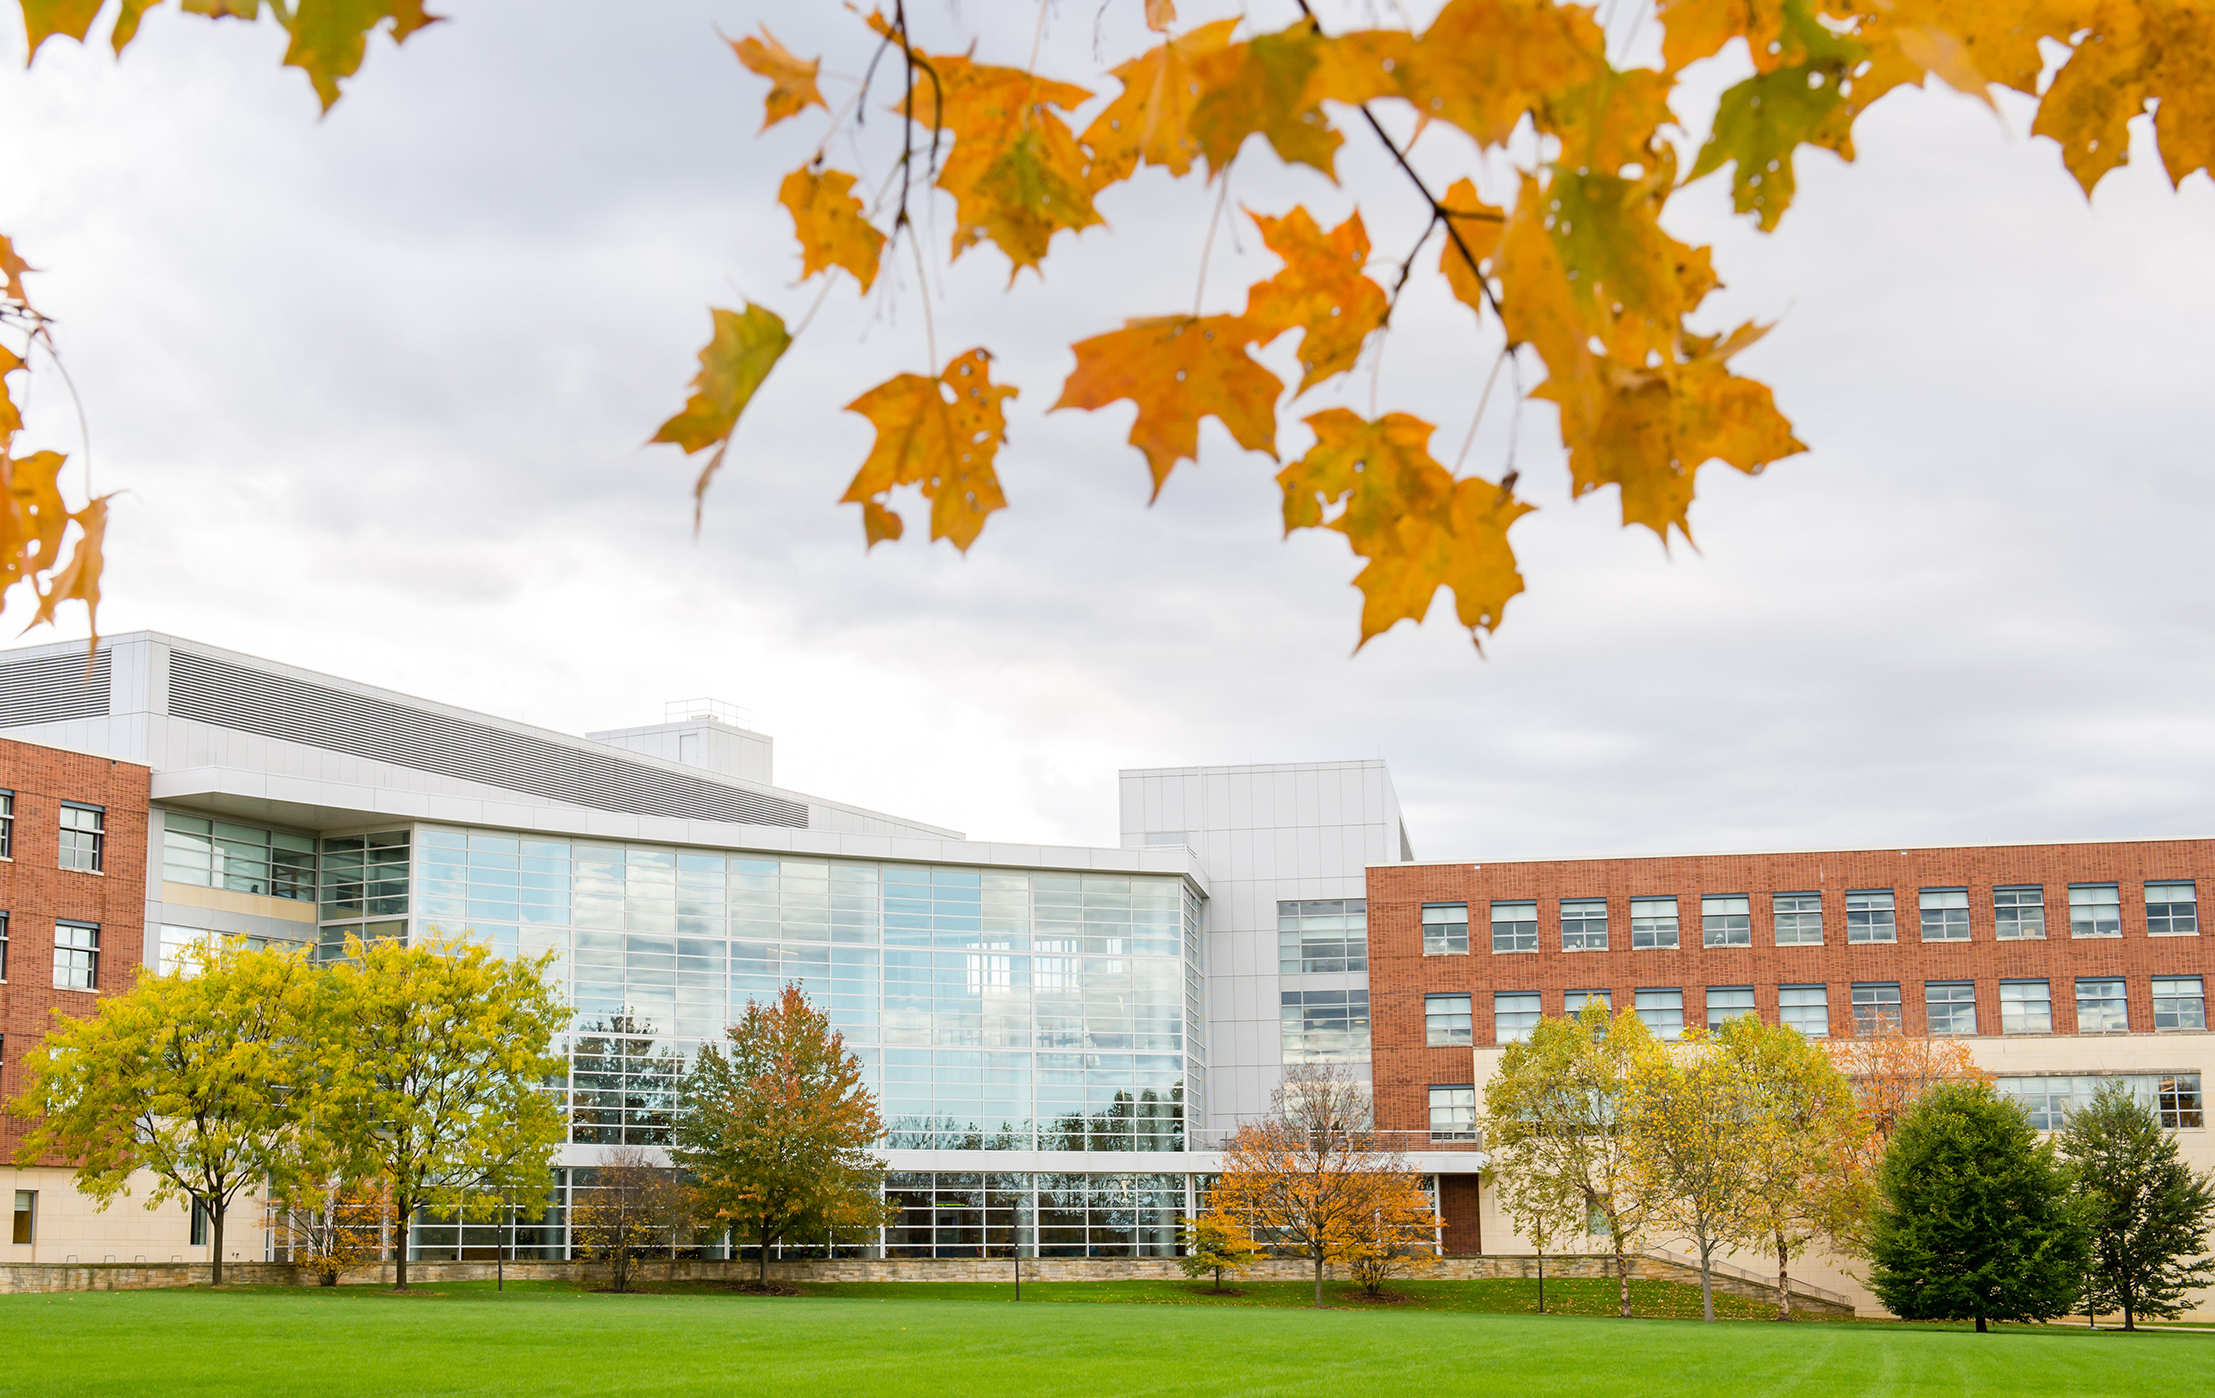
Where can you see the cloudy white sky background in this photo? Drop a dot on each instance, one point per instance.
(376, 386)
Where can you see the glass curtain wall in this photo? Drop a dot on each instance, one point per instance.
(992, 1008)
(949, 1214)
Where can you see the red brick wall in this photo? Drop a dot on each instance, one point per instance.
(1400, 975)
(35, 890)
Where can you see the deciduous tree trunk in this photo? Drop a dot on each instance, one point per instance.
(765, 1254)
(1707, 1282)
(216, 1211)
(1784, 1289)
(1622, 1277)
(1318, 1281)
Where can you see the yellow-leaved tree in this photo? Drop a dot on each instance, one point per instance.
(1555, 1120)
(1572, 276)
(1692, 1123)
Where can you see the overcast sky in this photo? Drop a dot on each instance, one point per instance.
(376, 386)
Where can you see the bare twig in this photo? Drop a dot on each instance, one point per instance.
(1222, 196)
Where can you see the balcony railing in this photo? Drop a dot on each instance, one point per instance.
(1403, 1141)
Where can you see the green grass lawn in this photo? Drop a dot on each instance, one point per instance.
(1139, 1339)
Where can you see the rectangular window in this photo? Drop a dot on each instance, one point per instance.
(76, 956)
(1728, 1002)
(1805, 1008)
(26, 1216)
(245, 858)
(1951, 1006)
(1325, 1026)
(1726, 920)
(2019, 914)
(2179, 1002)
(1663, 1012)
(1453, 1113)
(1323, 935)
(1445, 1020)
(1514, 1015)
(2172, 909)
(1514, 927)
(1945, 914)
(3, 948)
(7, 825)
(1445, 929)
(2095, 910)
(2026, 1007)
(1877, 1007)
(1870, 916)
(1574, 1001)
(1799, 919)
(2177, 1102)
(199, 1224)
(1584, 924)
(84, 831)
(2101, 1008)
(1653, 923)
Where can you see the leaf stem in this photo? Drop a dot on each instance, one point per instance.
(1482, 399)
(1222, 196)
(923, 288)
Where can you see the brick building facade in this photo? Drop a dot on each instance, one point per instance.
(72, 894)
(2056, 963)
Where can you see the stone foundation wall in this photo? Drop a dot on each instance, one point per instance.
(24, 1277)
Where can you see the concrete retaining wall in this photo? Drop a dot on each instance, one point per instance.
(23, 1277)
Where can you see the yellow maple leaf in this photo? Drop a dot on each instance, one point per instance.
(940, 434)
(2132, 53)
(1483, 63)
(35, 518)
(792, 88)
(330, 39)
(1612, 121)
(737, 357)
(1418, 528)
(1322, 292)
(1016, 173)
(1149, 122)
(1262, 88)
(1479, 225)
(1160, 14)
(78, 577)
(1177, 370)
(829, 223)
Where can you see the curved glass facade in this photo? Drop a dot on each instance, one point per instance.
(995, 1009)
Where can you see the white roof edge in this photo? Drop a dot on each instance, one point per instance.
(1315, 765)
(1779, 853)
(478, 716)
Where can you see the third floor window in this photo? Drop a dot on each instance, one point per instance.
(1445, 929)
(1870, 916)
(1945, 914)
(1514, 927)
(1653, 923)
(1799, 919)
(1726, 920)
(2018, 914)
(2095, 910)
(2172, 909)
(1584, 924)
(84, 832)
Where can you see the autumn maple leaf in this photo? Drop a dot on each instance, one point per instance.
(1177, 370)
(1321, 292)
(792, 86)
(829, 223)
(940, 434)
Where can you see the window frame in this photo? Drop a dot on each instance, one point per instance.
(1431, 1037)
(1536, 1010)
(1587, 994)
(1352, 954)
(1445, 940)
(1945, 923)
(3, 948)
(1799, 929)
(2121, 998)
(1866, 1024)
(86, 957)
(1891, 911)
(2168, 917)
(1431, 1100)
(1953, 1004)
(69, 837)
(1708, 1007)
(1674, 931)
(2006, 1027)
(1584, 924)
(1785, 1011)
(2199, 999)
(7, 824)
(23, 1220)
(2094, 921)
(1517, 937)
(1727, 926)
(1660, 1009)
(2006, 915)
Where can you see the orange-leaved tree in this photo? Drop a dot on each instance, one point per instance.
(775, 1128)
(1890, 1070)
(1570, 273)
(1314, 1178)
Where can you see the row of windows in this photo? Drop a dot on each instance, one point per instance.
(245, 858)
(83, 833)
(1949, 1007)
(2175, 1099)
(76, 954)
(1796, 919)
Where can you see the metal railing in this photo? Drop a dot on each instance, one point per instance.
(1403, 1141)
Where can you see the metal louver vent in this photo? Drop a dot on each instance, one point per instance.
(52, 688)
(275, 706)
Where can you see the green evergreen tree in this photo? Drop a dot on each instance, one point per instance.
(2148, 1211)
(1977, 1219)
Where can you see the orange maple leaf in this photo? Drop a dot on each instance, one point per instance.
(1262, 87)
(829, 223)
(1016, 173)
(2134, 52)
(1479, 225)
(1483, 63)
(1177, 370)
(792, 86)
(1149, 122)
(1321, 291)
(941, 434)
(1418, 527)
